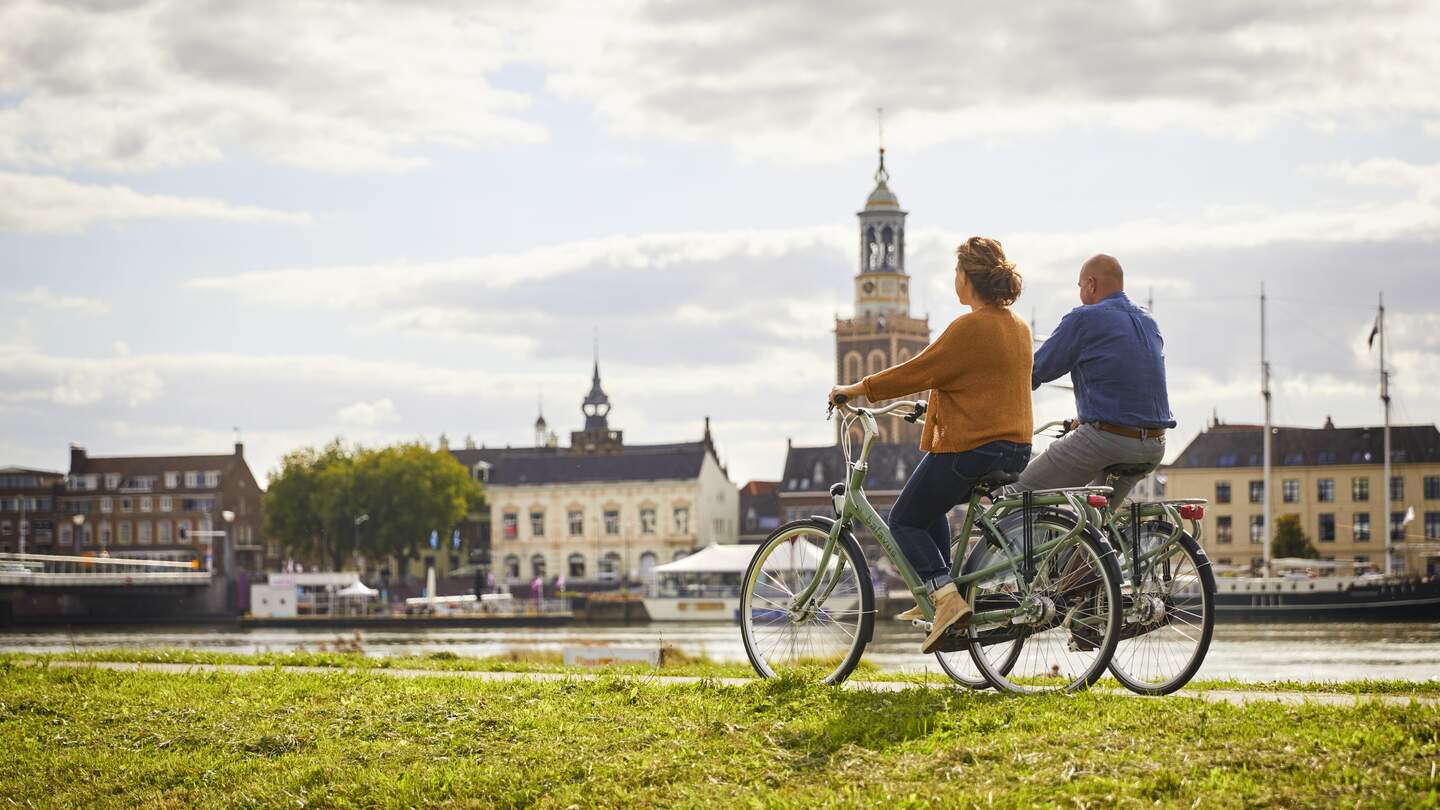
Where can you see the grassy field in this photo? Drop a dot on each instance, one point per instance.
(357, 738)
(673, 662)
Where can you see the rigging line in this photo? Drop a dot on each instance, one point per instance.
(1328, 337)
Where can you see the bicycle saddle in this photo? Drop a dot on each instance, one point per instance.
(1126, 470)
(995, 479)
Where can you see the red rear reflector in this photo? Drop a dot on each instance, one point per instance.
(1097, 500)
(1192, 511)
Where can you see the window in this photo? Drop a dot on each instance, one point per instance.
(1222, 492)
(112, 480)
(1327, 527)
(1397, 528)
(212, 478)
(107, 505)
(647, 566)
(577, 565)
(1397, 487)
(682, 520)
(718, 524)
(1227, 460)
(104, 535)
(612, 521)
(647, 520)
(1359, 489)
(1432, 525)
(142, 533)
(122, 533)
(1432, 487)
(510, 523)
(680, 554)
(1325, 490)
(1290, 490)
(166, 503)
(126, 505)
(610, 567)
(537, 524)
(1257, 491)
(5, 528)
(192, 480)
(537, 565)
(172, 480)
(1257, 529)
(197, 504)
(512, 566)
(1224, 530)
(1362, 527)
(147, 504)
(64, 534)
(162, 532)
(576, 520)
(182, 531)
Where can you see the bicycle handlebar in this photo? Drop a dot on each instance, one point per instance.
(917, 407)
(1065, 425)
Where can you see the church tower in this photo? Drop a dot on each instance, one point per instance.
(597, 437)
(882, 333)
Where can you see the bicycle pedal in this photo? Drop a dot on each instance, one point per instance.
(921, 624)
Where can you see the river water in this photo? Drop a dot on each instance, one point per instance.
(1250, 652)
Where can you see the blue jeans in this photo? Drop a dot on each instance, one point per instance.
(941, 482)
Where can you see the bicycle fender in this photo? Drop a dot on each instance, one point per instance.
(1108, 557)
(1207, 575)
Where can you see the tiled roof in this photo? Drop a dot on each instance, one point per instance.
(153, 465)
(559, 465)
(763, 499)
(814, 469)
(1240, 446)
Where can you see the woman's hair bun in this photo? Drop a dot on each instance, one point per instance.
(994, 277)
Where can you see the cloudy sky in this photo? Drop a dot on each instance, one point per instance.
(391, 220)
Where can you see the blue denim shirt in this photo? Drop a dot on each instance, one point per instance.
(1114, 354)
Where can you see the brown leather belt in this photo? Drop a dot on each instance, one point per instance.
(1130, 432)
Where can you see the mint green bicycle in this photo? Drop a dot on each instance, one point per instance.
(1046, 597)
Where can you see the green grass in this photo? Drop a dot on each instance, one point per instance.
(673, 663)
(82, 737)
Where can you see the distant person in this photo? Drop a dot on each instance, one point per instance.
(537, 588)
(1115, 356)
(978, 421)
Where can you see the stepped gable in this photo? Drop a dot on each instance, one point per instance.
(550, 465)
(890, 467)
(1241, 446)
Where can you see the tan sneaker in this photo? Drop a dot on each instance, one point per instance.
(911, 614)
(950, 609)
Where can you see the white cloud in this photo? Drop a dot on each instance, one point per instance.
(43, 298)
(316, 83)
(368, 414)
(44, 204)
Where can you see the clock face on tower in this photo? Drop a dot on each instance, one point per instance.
(868, 287)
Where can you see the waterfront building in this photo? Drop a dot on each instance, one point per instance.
(1330, 478)
(27, 509)
(147, 506)
(599, 512)
(759, 510)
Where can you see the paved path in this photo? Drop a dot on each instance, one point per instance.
(1210, 695)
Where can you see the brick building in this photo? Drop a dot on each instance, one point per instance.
(28, 519)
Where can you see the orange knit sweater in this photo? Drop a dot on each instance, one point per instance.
(978, 374)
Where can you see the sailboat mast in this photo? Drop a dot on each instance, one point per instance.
(1265, 442)
(1385, 399)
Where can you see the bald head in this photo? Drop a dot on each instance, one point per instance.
(1100, 276)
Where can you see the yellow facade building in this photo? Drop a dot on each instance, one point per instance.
(1331, 478)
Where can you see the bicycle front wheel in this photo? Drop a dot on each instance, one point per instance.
(1169, 616)
(822, 638)
(1055, 631)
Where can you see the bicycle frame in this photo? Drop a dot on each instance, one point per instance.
(857, 506)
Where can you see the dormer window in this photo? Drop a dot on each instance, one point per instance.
(481, 471)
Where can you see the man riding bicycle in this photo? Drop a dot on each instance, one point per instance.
(1114, 354)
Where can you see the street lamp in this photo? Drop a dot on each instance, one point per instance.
(227, 553)
(79, 521)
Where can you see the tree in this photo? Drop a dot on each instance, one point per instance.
(408, 491)
(1290, 540)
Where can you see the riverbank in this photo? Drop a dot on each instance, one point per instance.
(92, 737)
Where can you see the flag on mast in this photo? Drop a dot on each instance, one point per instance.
(1374, 330)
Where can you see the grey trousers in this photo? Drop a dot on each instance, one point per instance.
(1079, 458)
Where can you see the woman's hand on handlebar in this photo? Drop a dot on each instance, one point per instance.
(841, 393)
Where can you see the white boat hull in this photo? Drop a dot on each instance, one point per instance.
(693, 609)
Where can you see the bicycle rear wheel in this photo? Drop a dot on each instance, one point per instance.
(823, 639)
(1169, 618)
(1069, 620)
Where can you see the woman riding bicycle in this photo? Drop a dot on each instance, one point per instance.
(978, 420)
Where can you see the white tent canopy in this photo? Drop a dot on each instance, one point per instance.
(357, 588)
(734, 559)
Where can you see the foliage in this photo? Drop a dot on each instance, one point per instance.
(407, 490)
(1290, 540)
(85, 738)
